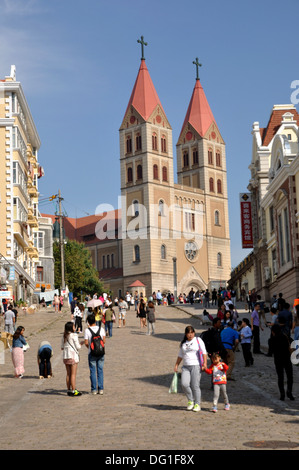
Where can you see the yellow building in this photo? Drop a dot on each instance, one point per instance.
(19, 174)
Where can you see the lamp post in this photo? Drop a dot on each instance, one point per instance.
(175, 293)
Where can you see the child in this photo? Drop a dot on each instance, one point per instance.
(218, 369)
(246, 335)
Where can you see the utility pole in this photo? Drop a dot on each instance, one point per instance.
(61, 242)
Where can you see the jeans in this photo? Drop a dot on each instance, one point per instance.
(45, 362)
(108, 327)
(96, 365)
(190, 380)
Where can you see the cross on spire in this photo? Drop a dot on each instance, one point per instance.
(141, 41)
(195, 62)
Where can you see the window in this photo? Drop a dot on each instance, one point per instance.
(217, 218)
(130, 175)
(287, 235)
(129, 144)
(280, 239)
(163, 144)
(219, 260)
(18, 176)
(164, 173)
(138, 142)
(185, 160)
(108, 261)
(19, 211)
(163, 252)
(39, 274)
(161, 207)
(135, 208)
(139, 172)
(155, 172)
(136, 253)
(154, 142)
(195, 156)
(218, 159)
(210, 157)
(112, 260)
(38, 241)
(219, 186)
(211, 184)
(103, 262)
(189, 221)
(271, 214)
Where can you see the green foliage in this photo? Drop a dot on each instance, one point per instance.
(80, 275)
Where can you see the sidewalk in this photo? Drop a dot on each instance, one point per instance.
(136, 411)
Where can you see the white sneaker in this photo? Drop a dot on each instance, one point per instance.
(190, 405)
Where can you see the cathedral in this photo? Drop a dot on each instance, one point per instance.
(168, 236)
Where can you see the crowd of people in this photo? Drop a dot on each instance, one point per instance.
(218, 344)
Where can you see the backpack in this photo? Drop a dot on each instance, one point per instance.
(97, 348)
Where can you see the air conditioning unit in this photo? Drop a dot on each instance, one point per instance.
(267, 272)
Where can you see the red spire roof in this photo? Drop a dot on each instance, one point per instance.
(199, 113)
(144, 97)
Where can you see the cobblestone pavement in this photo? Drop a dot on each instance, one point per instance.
(136, 411)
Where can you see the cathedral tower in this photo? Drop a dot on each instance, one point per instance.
(147, 187)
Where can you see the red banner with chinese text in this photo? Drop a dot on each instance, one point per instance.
(246, 220)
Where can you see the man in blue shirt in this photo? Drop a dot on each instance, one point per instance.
(230, 340)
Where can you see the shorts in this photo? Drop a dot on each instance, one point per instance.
(69, 362)
(122, 315)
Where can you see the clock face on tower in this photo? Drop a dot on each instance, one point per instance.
(191, 250)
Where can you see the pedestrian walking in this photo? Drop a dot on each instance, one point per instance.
(151, 318)
(95, 361)
(280, 346)
(109, 316)
(56, 302)
(255, 328)
(218, 371)
(123, 307)
(17, 352)
(193, 354)
(9, 320)
(141, 312)
(70, 346)
(230, 340)
(246, 335)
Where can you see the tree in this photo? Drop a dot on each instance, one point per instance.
(80, 275)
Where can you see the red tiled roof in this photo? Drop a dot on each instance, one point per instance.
(274, 123)
(112, 273)
(144, 97)
(83, 229)
(137, 283)
(199, 113)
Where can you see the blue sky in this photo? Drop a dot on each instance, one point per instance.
(78, 61)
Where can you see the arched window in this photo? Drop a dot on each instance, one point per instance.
(154, 142)
(210, 157)
(217, 218)
(219, 187)
(195, 156)
(155, 172)
(185, 160)
(108, 261)
(135, 208)
(218, 158)
(139, 172)
(163, 252)
(130, 175)
(136, 253)
(211, 184)
(164, 173)
(163, 144)
(219, 260)
(161, 207)
(138, 142)
(129, 144)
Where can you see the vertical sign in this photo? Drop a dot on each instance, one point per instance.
(246, 220)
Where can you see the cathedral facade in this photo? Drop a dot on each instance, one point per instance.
(168, 236)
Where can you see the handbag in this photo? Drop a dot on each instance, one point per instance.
(26, 347)
(174, 384)
(200, 354)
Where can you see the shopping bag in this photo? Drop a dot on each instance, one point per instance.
(174, 384)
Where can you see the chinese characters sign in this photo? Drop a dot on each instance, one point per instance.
(246, 220)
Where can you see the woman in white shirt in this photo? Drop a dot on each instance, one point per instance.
(70, 346)
(194, 356)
